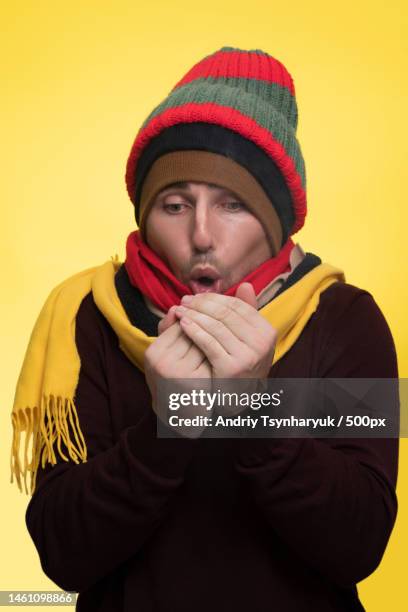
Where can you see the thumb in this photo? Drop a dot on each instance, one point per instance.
(246, 293)
(167, 321)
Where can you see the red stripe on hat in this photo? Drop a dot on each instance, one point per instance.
(233, 120)
(238, 64)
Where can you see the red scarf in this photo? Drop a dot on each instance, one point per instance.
(155, 280)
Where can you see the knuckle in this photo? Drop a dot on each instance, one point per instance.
(273, 334)
(210, 342)
(263, 345)
(270, 331)
(218, 326)
(252, 361)
(161, 368)
(235, 369)
(267, 340)
(222, 313)
(197, 300)
(235, 304)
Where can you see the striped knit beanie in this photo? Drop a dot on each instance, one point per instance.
(236, 111)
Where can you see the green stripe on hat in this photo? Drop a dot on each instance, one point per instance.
(249, 104)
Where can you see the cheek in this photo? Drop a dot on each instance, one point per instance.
(166, 239)
(248, 245)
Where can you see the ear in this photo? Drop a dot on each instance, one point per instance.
(246, 293)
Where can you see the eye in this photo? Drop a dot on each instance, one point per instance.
(173, 207)
(233, 206)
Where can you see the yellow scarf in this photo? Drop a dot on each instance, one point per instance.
(44, 407)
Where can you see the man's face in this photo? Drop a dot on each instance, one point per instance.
(206, 236)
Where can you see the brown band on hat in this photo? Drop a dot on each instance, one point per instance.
(204, 166)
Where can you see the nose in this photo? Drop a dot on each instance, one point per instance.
(202, 231)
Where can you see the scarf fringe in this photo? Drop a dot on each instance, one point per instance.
(57, 419)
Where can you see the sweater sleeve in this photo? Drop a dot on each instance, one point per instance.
(86, 519)
(333, 501)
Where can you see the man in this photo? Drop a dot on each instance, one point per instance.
(212, 287)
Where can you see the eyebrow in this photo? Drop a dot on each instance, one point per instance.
(185, 185)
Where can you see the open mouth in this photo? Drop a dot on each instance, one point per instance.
(206, 281)
(205, 284)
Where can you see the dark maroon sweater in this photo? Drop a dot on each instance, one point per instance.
(152, 524)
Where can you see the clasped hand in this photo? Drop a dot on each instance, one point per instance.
(212, 336)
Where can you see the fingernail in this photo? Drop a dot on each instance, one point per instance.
(186, 299)
(181, 309)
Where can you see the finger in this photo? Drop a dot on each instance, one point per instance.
(217, 329)
(181, 350)
(167, 321)
(202, 370)
(250, 331)
(246, 293)
(225, 307)
(165, 340)
(194, 357)
(212, 349)
(180, 347)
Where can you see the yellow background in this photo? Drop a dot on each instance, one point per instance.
(80, 77)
